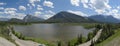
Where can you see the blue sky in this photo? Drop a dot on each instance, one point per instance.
(48, 8)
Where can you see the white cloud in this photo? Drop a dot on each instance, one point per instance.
(32, 2)
(22, 8)
(100, 6)
(10, 11)
(1, 8)
(18, 15)
(37, 13)
(39, 7)
(29, 6)
(85, 2)
(75, 2)
(48, 14)
(118, 7)
(78, 13)
(1, 3)
(114, 12)
(48, 4)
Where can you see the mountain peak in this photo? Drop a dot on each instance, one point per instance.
(31, 18)
(67, 17)
(105, 18)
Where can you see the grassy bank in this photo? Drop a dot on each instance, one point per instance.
(38, 40)
(74, 41)
(85, 25)
(4, 32)
(114, 37)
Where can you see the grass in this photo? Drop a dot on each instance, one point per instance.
(116, 35)
(5, 34)
(38, 40)
(85, 25)
(73, 41)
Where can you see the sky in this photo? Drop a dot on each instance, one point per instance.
(47, 8)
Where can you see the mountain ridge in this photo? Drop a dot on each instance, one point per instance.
(67, 17)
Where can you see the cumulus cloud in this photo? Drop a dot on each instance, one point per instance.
(1, 3)
(118, 7)
(1, 8)
(18, 15)
(48, 14)
(75, 2)
(48, 4)
(99, 6)
(39, 7)
(32, 2)
(22, 8)
(10, 11)
(29, 6)
(78, 13)
(37, 13)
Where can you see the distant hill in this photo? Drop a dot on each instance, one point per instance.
(30, 18)
(15, 20)
(4, 19)
(105, 18)
(66, 17)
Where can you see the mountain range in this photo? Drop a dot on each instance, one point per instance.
(27, 18)
(67, 17)
(31, 18)
(105, 18)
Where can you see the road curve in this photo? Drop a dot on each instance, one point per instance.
(94, 38)
(5, 42)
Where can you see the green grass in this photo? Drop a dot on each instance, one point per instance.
(5, 34)
(41, 41)
(73, 41)
(116, 35)
(85, 25)
(38, 40)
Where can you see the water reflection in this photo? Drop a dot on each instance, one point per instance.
(52, 32)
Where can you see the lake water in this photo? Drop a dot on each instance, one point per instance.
(52, 32)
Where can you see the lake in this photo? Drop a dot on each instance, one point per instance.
(52, 32)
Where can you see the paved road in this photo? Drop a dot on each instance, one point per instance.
(95, 39)
(5, 42)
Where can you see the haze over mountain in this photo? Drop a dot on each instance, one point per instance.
(105, 18)
(31, 18)
(66, 17)
(15, 20)
(4, 19)
(27, 18)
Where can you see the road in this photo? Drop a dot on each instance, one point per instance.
(5, 42)
(95, 39)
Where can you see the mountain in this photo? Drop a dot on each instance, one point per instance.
(15, 20)
(66, 17)
(4, 19)
(30, 18)
(105, 18)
